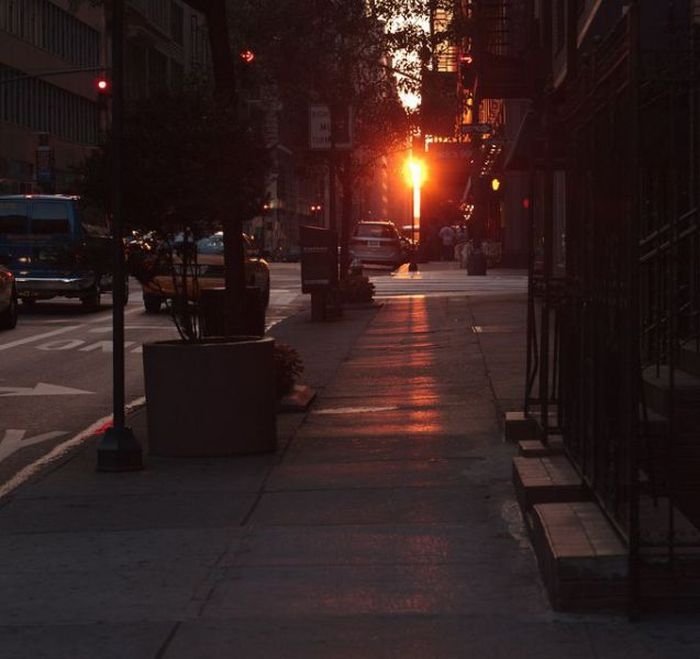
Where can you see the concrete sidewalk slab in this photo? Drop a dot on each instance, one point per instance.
(392, 533)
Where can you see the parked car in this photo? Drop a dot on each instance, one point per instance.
(210, 270)
(377, 242)
(55, 247)
(8, 299)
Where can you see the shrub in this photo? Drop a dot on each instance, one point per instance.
(356, 288)
(288, 367)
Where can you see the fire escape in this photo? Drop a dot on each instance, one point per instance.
(497, 59)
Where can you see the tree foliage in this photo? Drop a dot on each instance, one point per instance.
(187, 159)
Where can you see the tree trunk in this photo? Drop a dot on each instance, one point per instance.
(346, 220)
(234, 277)
(223, 65)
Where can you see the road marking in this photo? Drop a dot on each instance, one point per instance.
(73, 344)
(103, 317)
(41, 389)
(39, 337)
(61, 344)
(14, 440)
(104, 346)
(106, 330)
(60, 451)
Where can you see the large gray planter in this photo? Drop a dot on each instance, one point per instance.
(214, 398)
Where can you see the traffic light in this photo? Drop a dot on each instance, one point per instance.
(467, 72)
(246, 69)
(247, 55)
(103, 86)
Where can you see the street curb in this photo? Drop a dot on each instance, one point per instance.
(298, 400)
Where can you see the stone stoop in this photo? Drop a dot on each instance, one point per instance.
(535, 448)
(547, 479)
(582, 560)
(520, 427)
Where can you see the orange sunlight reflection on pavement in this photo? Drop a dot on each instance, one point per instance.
(420, 420)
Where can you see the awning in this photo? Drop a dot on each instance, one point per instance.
(526, 149)
(529, 146)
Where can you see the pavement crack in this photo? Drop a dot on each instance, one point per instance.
(168, 640)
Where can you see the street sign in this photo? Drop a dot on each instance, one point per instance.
(320, 128)
(319, 258)
(450, 151)
(476, 129)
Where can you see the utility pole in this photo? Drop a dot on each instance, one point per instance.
(118, 449)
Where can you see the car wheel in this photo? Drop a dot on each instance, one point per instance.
(91, 301)
(151, 303)
(8, 318)
(126, 291)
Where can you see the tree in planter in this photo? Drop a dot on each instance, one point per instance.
(191, 167)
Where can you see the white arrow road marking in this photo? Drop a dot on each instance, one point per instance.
(41, 389)
(59, 451)
(14, 440)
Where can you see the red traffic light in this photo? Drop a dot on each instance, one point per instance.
(247, 55)
(103, 86)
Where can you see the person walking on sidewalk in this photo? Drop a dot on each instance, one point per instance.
(447, 238)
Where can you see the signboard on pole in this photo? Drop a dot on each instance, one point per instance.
(319, 259)
(321, 122)
(476, 129)
(319, 127)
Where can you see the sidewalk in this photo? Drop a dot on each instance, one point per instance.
(384, 526)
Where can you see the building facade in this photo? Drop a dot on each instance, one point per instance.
(49, 116)
(609, 143)
(51, 54)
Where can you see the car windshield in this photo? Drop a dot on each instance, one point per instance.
(14, 217)
(374, 231)
(211, 244)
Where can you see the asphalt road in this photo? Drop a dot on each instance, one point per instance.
(56, 373)
(56, 366)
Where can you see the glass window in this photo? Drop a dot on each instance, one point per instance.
(13, 217)
(177, 22)
(211, 244)
(375, 231)
(51, 218)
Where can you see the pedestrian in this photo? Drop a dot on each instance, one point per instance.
(447, 237)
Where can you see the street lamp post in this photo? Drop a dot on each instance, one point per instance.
(118, 449)
(416, 176)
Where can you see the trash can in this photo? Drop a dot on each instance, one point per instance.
(476, 262)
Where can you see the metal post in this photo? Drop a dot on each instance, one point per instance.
(413, 265)
(118, 449)
(632, 352)
(332, 199)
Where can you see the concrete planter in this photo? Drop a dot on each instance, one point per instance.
(214, 398)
